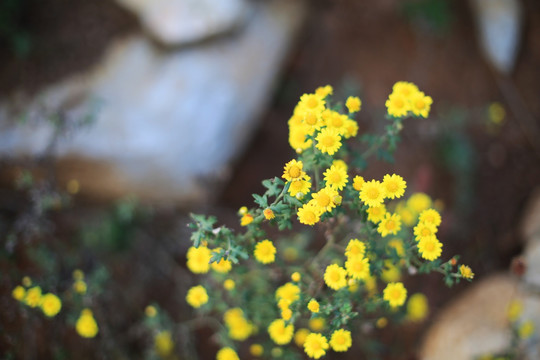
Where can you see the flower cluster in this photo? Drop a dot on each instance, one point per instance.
(32, 296)
(372, 231)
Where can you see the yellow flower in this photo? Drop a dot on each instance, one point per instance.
(417, 307)
(300, 336)
(18, 293)
(150, 311)
(526, 329)
(351, 128)
(372, 193)
(324, 199)
(394, 186)
(50, 304)
(353, 104)
(312, 102)
(381, 322)
(286, 314)
(407, 89)
(358, 267)
(298, 138)
(229, 284)
(391, 272)
(355, 248)
(336, 177)
(313, 306)
(198, 259)
(293, 171)
(466, 272)
(397, 245)
(496, 113)
(256, 350)
(317, 324)
(280, 333)
(315, 345)
(79, 286)
(163, 343)
(269, 214)
(265, 252)
(397, 105)
(376, 214)
(430, 216)
(197, 296)
(300, 186)
(335, 277)
(420, 104)
(86, 325)
(424, 230)
(390, 224)
(26, 281)
(328, 141)
(341, 340)
(243, 210)
(324, 91)
(227, 353)
(514, 310)
(308, 214)
(395, 294)
(78, 274)
(358, 182)
(223, 266)
(33, 296)
(430, 248)
(419, 202)
(246, 219)
(239, 327)
(289, 292)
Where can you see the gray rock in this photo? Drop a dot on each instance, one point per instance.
(499, 24)
(171, 121)
(178, 22)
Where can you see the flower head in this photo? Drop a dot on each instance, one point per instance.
(429, 248)
(315, 345)
(420, 104)
(300, 186)
(430, 216)
(269, 214)
(353, 104)
(324, 199)
(336, 177)
(341, 340)
(18, 293)
(50, 304)
(227, 353)
(222, 266)
(197, 296)
(358, 182)
(265, 252)
(293, 171)
(328, 141)
(279, 332)
(86, 325)
(355, 248)
(372, 193)
(313, 306)
(33, 296)
(390, 224)
(308, 214)
(358, 267)
(163, 343)
(198, 259)
(394, 186)
(417, 307)
(395, 294)
(466, 272)
(335, 277)
(397, 105)
(246, 219)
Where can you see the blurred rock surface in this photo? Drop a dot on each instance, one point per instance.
(179, 22)
(170, 120)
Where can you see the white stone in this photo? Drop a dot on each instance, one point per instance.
(177, 22)
(169, 119)
(499, 25)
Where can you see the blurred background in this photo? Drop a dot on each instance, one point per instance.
(119, 118)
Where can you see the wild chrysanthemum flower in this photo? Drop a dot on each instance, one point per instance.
(466, 272)
(335, 277)
(324, 91)
(376, 214)
(357, 267)
(293, 171)
(394, 186)
(390, 224)
(78, 274)
(86, 325)
(526, 330)
(286, 314)
(289, 292)
(395, 294)
(150, 311)
(300, 336)
(391, 272)
(351, 129)
(227, 353)
(246, 219)
(50, 304)
(33, 296)
(312, 102)
(419, 202)
(353, 104)
(405, 88)
(313, 306)
(358, 182)
(372, 193)
(341, 340)
(355, 248)
(300, 186)
(198, 259)
(430, 216)
(324, 199)
(424, 230)
(197, 296)
(269, 214)
(79, 286)
(223, 266)
(429, 248)
(163, 343)
(328, 141)
(280, 333)
(315, 345)
(417, 307)
(18, 293)
(26, 281)
(296, 277)
(239, 327)
(397, 105)
(336, 177)
(229, 284)
(265, 252)
(313, 120)
(308, 214)
(420, 104)
(256, 350)
(317, 324)
(298, 138)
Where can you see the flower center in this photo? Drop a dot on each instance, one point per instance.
(294, 171)
(399, 103)
(312, 102)
(392, 187)
(420, 104)
(373, 193)
(426, 232)
(323, 200)
(335, 276)
(311, 119)
(390, 225)
(335, 177)
(328, 141)
(337, 121)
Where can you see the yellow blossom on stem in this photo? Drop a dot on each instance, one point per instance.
(86, 325)
(395, 294)
(315, 345)
(313, 306)
(197, 296)
(466, 272)
(341, 340)
(353, 104)
(280, 332)
(265, 252)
